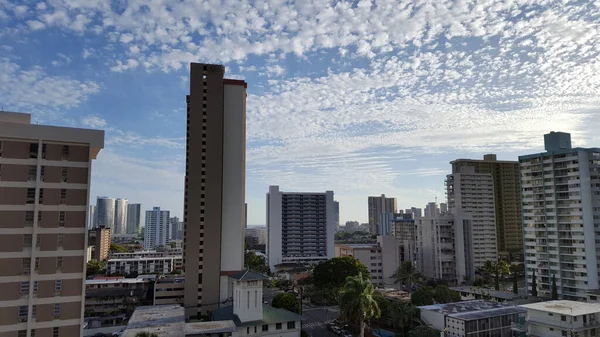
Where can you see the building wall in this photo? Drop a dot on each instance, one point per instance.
(134, 218)
(43, 228)
(99, 240)
(435, 246)
(369, 254)
(121, 216)
(390, 258)
(161, 265)
(158, 228)
(379, 205)
(272, 330)
(168, 291)
(105, 212)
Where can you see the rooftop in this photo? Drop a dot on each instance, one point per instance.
(472, 315)
(359, 245)
(270, 316)
(463, 307)
(507, 295)
(139, 258)
(247, 275)
(115, 281)
(568, 308)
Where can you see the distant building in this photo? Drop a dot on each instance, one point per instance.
(507, 201)
(120, 216)
(435, 245)
(377, 206)
(381, 258)
(352, 226)
(472, 318)
(99, 240)
(404, 230)
(260, 233)
(144, 265)
(105, 212)
(176, 229)
(471, 201)
(157, 229)
(92, 217)
(116, 297)
(300, 226)
(561, 318)
(336, 212)
(134, 218)
(169, 290)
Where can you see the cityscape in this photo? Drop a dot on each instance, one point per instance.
(299, 169)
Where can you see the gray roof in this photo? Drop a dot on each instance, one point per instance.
(463, 306)
(247, 275)
(270, 316)
(468, 316)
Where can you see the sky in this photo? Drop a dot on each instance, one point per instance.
(359, 97)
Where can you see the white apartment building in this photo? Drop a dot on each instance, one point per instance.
(158, 228)
(561, 318)
(403, 229)
(144, 265)
(147, 253)
(260, 233)
(300, 227)
(381, 258)
(134, 218)
(561, 214)
(471, 201)
(435, 245)
(121, 216)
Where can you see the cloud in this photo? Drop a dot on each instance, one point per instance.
(35, 24)
(94, 122)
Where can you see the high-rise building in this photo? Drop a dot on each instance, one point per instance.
(260, 233)
(300, 227)
(176, 228)
(245, 215)
(120, 216)
(44, 191)
(157, 230)
(352, 226)
(99, 240)
(507, 201)
(92, 217)
(561, 217)
(377, 206)
(336, 213)
(134, 218)
(435, 244)
(105, 212)
(403, 228)
(214, 186)
(471, 201)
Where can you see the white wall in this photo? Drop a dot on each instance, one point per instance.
(284, 332)
(330, 224)
(435, 319)
(390, 257)
(274, 226)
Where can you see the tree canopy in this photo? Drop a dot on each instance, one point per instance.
(424, 331)
(117, 248)
(286, 301)
(357, 301)
(93, 267)
(406, 274)
(443, 294)
(332, 273)
(256, 263)
(423, 296)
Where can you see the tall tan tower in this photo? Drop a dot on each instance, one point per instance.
(381, 209)
(215, 177)
(44, 193)
(507, 199)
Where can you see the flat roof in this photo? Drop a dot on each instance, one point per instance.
(110, 281)
(462, 307)
(507, 295)
(139, 258)
(568, 308)
(358, 245)
(468, 316)
(17, 125)
(196, 328)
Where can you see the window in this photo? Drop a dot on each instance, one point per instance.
(30, 196)
(55, 332)
(35, 286)
(563, 318)
(22, 333)
(37, 263)
(265, 327)
(23, 312)
(247, 330)
(38, 240)
(60, 239)
(291, 325)
(63, 196)
(65, 174)
(56, 309)
(32, 332)
(33, 150)
(26, 263)
(65, 152)
(57, 285)
(40, 217)
(61, 218)
(27, 240)
(32, 173)
(41, 199)
(255, 329)
(59, 262)
(29, 218)
(278, 326)
(33, 310)
(24, 287)
(42, 172)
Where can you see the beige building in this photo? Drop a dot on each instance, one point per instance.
(561, 318)
(507, 200)
(168, 290)
(44, 193)
(99, 241)
(381, 258)
(214, 200)
(378, 206)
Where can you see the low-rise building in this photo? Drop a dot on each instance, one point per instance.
(381, 258)
(561, 318)
(144, 265)
(168, 290)
(472, 318)
(476, 293)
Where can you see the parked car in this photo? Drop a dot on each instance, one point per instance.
(118, 333)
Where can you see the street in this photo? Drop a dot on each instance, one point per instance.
(315, 319)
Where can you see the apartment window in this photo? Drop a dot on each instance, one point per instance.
(30, 196)
(27, 240)
(278, 326)
(265, 327)
(63, 196)
(40, 217)
(26, 263)
(24, 287)
(55, 332)
(60, 239)
(33, 150)
(38, 240)
(563, 318)
(37, 263)
(61, 218)
(35, 286)
(41, 200)
(65, 152)
(59, 262)
(29, 218)
(32, 173)
(57, 285)
(42, 173)
(23, 312)
(247, 330)
(291, 325)
(33, 310)
(56, 310)
(32, 332)
(64, 174)
(22, 333)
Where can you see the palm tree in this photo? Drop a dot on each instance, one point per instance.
(357, 303)
(496, 269)
(402, 314)
(145, 334)
(406, 274)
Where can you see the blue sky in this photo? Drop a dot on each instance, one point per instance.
(358, 97)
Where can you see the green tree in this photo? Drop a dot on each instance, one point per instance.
(93, 267)
(443, 294)
(406, 274)
(533, 285)
(554, 288)
(145, 334)
(423, 296)
(497, 269)
(424, 331)
(117, 248)
(303, 333)
(401, 314)
(357, 303)
(332, 273)
(286, 301)
(256, 263)
(515, 284)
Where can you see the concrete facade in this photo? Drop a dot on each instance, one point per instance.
(435, 245)
(134, 218)
(157, 231)
(300, 227)
(44, 192)
(377, 206)
(144, 265)
(105, 212)
(99, 241)
(214, 201)
(121, 216)
(561, 318)
(561, 214)
(381, 258)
